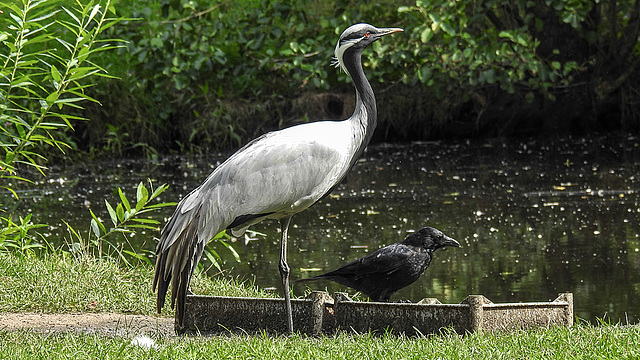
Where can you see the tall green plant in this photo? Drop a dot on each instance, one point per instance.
(125, 218)
(46, 53)
(45, 59)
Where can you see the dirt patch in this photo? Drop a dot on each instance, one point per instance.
(108, 324)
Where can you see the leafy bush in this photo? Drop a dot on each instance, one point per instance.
(207, 74)
(45, 67)
(200, 75)
(44, 71)
(507, 65)
(48, 54)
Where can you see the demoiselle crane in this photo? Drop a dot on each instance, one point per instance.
(274, 176)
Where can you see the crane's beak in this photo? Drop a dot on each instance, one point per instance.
(386, 31)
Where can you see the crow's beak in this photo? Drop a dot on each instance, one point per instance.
(447, 241)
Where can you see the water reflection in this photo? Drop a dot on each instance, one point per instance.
(535, 218)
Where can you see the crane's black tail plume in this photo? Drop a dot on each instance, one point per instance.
(176, 262)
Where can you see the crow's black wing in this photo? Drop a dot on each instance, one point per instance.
(383, 261)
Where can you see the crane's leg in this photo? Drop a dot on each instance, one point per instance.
(284, 271)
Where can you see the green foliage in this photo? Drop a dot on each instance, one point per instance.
(125, 221)
(464, 46)
(198, 75)
(212, 255)
(222, 48)
(109, 238)
(19, 236)
(45, 67)
(45, 60)
(467, 59)
(189, 63)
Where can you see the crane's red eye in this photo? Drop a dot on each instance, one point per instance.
(367, 34)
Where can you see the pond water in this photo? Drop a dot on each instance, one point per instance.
(535, 217)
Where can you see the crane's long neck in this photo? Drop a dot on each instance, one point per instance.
(365, 115)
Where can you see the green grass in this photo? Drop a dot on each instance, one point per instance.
(59, 283)
(579, 342)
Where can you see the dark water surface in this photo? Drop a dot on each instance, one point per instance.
(534, 217)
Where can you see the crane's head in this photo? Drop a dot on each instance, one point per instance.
(358, 37)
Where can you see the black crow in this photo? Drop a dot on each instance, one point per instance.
(389, 269)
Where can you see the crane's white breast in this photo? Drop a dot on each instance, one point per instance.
(283, 172)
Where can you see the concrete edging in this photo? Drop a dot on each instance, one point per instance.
(319, 314)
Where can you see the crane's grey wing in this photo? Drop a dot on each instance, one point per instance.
(280, 173)
(270, 180)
